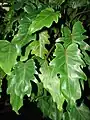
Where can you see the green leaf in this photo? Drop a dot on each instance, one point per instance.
(15, 101)
(76, 37)
(38, 47)
(77, 32)
(49, 108)
(8, 55)
(80, 113)
(19, 82)
(30, 8)
(22, 37)
(68, 64)
(66, 36)
(52, 83)
(44, 19)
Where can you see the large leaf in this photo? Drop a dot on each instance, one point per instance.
(38, 47)
(78, 113)
(44, 19)
(76, 36)
(68, 64)
(52, 83)
(19, 83)
(8, 55)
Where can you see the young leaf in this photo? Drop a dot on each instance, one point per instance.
(52, 83)
(38, 47)
(19, 82)
(8, 55)
(44, 19)
(68, 64)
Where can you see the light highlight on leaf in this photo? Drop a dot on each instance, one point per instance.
(52, 83)
(19, 83)
(68, 64)
(38, 47)
(44, 19)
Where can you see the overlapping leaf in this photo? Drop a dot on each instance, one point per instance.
(19, 83)
(44, 19)
(49, 108)
(8, 55)
(38, 47)
(77, 113)
(80, 113)
(68, 64)
(76, 36)
(22, 37)
(52, 83)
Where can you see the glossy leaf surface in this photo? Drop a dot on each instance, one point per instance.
(19, 83)
(44, 19)
(76, 36)
(38, 47)
(52, 83)
(67, 63)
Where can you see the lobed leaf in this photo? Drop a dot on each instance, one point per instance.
(22, 37)
(19, 83)
(38, 47)
(44, 19)
(76, 36)
(52, 83)
(68, 64)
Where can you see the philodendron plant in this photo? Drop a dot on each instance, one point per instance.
(48, 51)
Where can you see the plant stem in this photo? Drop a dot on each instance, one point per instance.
(50, 51)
